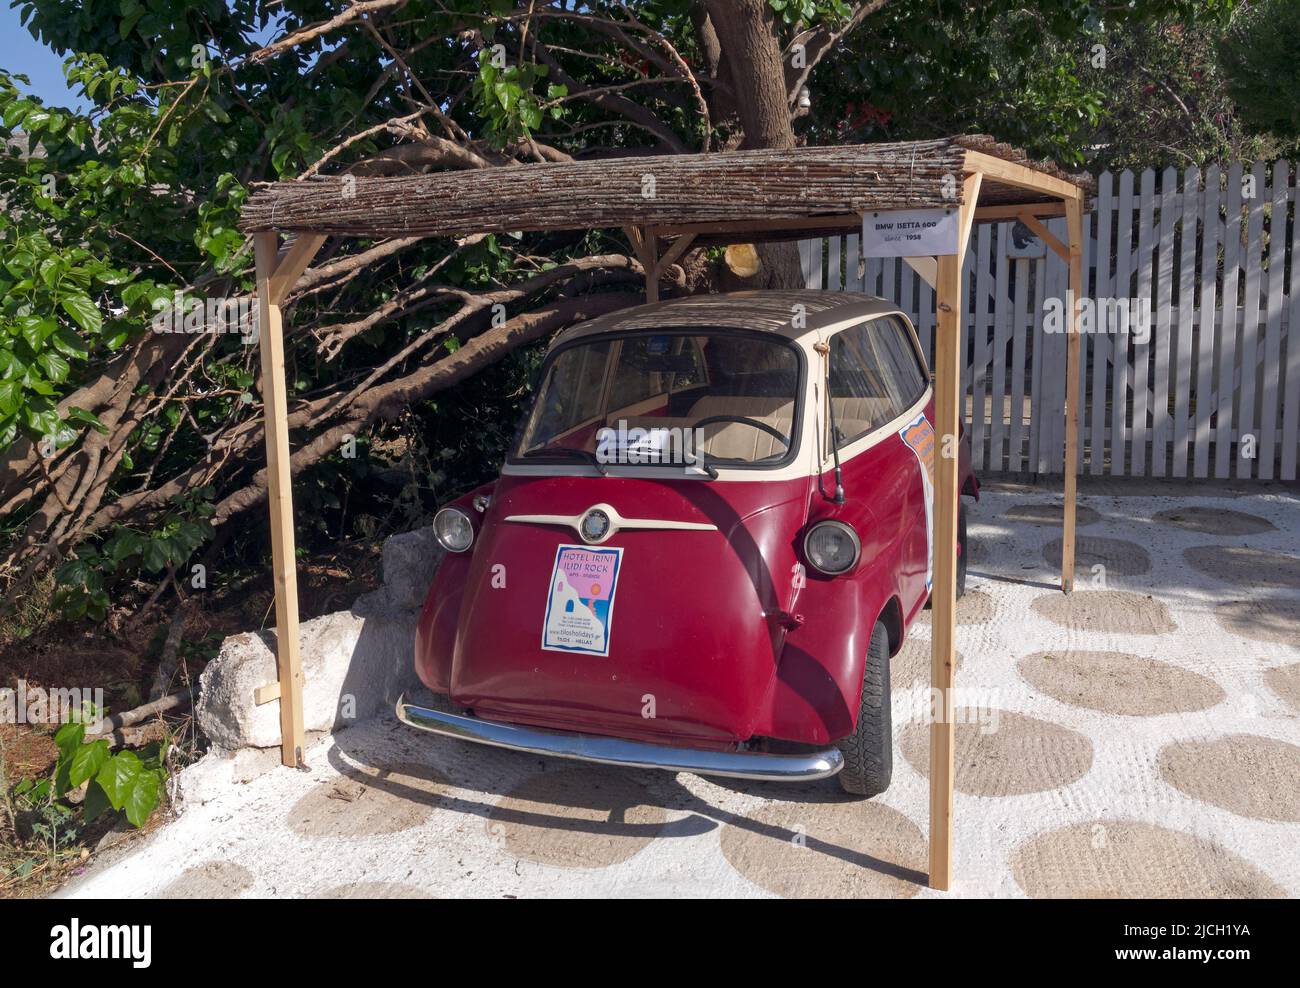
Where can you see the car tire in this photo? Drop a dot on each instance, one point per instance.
(869, 750)
(962, 551)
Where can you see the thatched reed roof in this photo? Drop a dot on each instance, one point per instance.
(798, 192)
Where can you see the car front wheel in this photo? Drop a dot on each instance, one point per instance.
(869, 750)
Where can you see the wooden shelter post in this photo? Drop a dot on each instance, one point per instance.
(645, 244)
(275, 276)
(1073, 346)
(943, 617)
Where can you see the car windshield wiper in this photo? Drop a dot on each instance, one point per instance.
(570, 452)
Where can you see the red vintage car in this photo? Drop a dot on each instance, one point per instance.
(711, 536)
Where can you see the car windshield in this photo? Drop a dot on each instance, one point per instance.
(653, 398)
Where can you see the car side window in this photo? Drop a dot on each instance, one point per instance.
(574, 390)
(874, 377)
(907, 377)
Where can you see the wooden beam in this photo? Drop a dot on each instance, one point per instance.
(1073, 346)
(943, 598)
(970, 200)
(1047, 237)
(850, 222)
(1017, 211)
(1021, 176)
(266, 693)
(926, 267)
(674, 253)
(280, 498)
(293, 263)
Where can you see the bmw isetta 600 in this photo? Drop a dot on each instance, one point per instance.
(711, 536)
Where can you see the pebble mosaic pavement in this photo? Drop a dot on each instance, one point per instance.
(1147, 743)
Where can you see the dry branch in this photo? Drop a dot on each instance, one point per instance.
(176, 701)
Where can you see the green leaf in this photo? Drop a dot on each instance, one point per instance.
(73, 573)
(68, 738)
(83, 311)
(17, 110)
(118, 776)
(55, 366)
(95, 802)
(155, 554)
(50, 269)
(111, 276)
(11, 395)
(506, 94)
(128, 23)
(87, 762)
(531, 115)
(69, 343)
(83, 417)
(36, 330)
(123, 545)
(44, 423)
(142, 797)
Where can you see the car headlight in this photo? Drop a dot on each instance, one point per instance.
(453, 529)
(832, 547)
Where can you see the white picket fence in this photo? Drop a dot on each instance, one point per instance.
(1215, 389)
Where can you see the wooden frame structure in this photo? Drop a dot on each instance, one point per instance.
(680, 201)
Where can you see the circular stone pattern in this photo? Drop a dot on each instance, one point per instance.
(1115, 611)
(211, 880)
(368, 802)
(911, 666)
(1214, 521)
(1052, 515)
(852, 849)
(1125, 859)
(576, 818)
(1009, 755)
(1261, 620)
(1120, 557)
(1245, 566)
(1244, 774)
(1285, 682)
(976, 607)
(1119, 683)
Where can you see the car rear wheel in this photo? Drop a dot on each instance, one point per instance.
(869, 750)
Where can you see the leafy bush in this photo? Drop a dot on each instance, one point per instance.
(123, 780)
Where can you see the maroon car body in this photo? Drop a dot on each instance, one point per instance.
(718, 622)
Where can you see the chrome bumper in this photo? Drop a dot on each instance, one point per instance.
(630, 754)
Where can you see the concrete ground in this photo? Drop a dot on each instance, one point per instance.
(1140, 737)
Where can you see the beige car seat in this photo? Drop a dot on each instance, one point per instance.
(736, 441)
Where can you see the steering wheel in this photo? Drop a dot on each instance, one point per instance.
(771, 430)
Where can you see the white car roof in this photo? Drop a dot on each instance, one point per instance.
(766, 311)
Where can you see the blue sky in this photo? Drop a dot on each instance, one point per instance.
(21, 53)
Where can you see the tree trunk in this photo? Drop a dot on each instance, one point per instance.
(751, 55)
